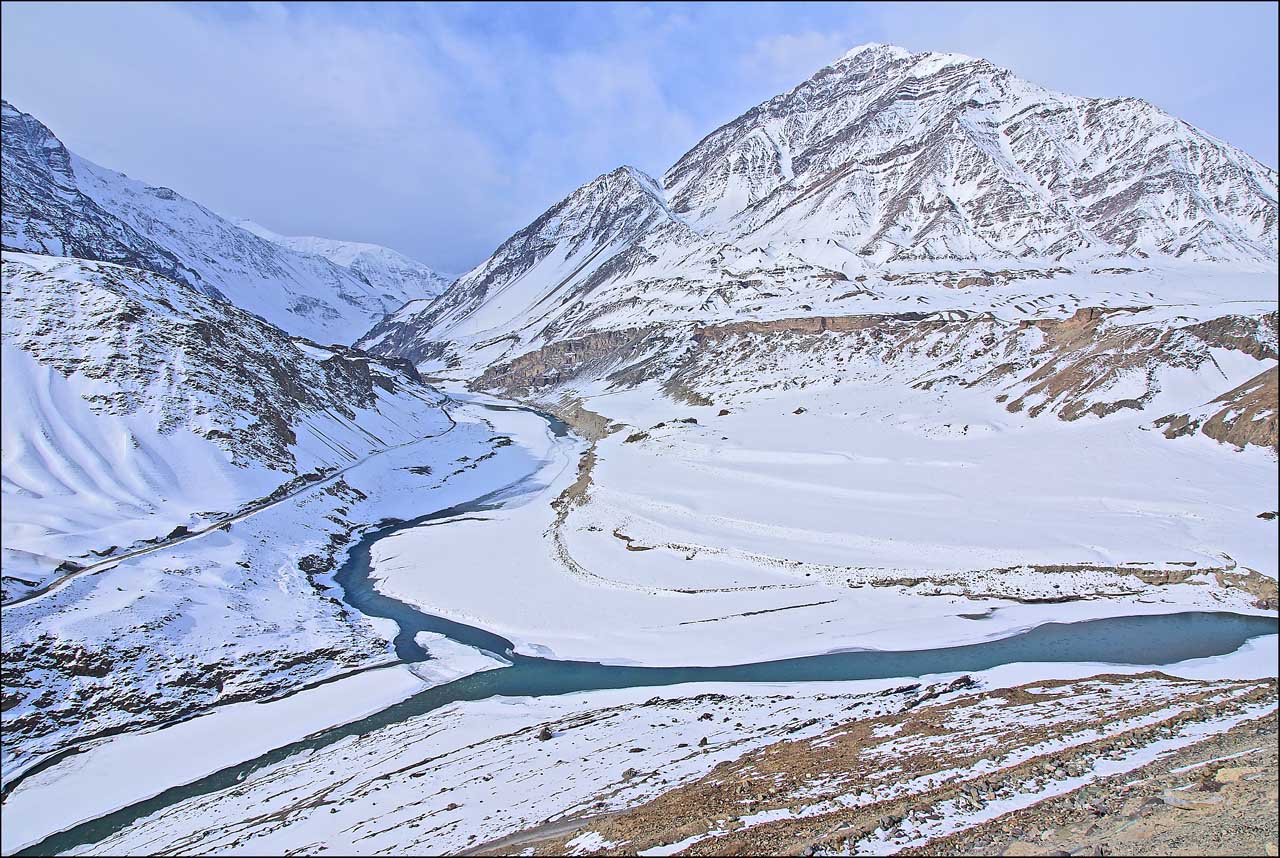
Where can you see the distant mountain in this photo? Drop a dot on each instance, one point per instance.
(57, 203)
(400, 278)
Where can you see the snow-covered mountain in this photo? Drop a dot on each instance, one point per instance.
(181, 480)
(592, 237)
(912, 357)
(898, 156)
(132, 402)
(399, 278)
(60, 204)
(889, 188)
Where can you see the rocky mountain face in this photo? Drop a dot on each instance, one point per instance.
(59, 204)
(902, 156)
(890, 193)
(397, 278)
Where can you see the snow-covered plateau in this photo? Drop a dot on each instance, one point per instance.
(876, 517)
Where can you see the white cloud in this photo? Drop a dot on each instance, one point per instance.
(438, 143)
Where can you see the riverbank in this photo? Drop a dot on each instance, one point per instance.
(247, 752)
(131, 768)
(445, 780)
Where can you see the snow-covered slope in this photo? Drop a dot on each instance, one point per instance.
(59, 204)
(591, 237)
(180, 480)
(398, 278)
(134, 404)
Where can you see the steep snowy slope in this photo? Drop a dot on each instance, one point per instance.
(591, 237)
(60, 204)
(134, 404)
(398, 278)
(180, 481)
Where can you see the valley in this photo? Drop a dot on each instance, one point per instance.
(427, 686)
(896, 471)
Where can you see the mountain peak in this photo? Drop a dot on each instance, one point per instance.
(925, 62)
(877, 48)
(56, 203)
(628, 173)
(887, 161)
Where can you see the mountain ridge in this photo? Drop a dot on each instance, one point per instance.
(60, 204)
(401, 278)
(863, 110)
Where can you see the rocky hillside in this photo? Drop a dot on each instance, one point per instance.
(133, 401)
(59, 204)
(1142, 765)
(902, 156)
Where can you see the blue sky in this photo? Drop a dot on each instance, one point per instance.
(441, 129)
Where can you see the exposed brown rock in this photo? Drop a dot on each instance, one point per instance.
(826, 781)
(1247, 415)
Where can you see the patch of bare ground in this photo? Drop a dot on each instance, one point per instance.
(1053, 767)
(1244, 415)
(584, 421)
(1217, 797)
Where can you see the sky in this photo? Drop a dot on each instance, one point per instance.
(441, 129)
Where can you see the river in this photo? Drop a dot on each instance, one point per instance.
(1133, 640)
